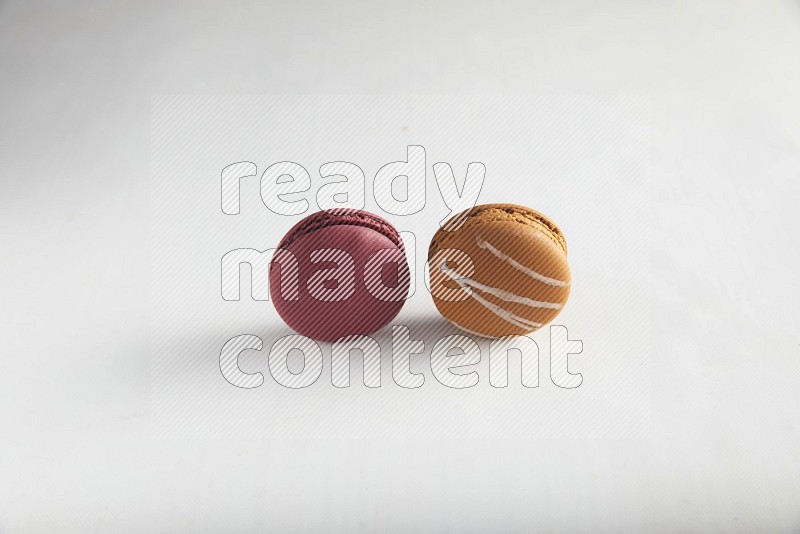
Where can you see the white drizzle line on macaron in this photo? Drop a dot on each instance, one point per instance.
(518, 266)
(509, 296)
(501, 312)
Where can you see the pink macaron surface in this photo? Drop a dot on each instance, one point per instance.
(346, 274)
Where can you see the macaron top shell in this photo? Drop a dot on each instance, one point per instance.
(343, 217)
(502, 271)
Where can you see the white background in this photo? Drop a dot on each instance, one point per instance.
(581, 160)
(79, 446)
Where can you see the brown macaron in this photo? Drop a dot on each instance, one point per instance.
(498, 270)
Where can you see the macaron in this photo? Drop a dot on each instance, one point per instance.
(498, 270)
(339, 273)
